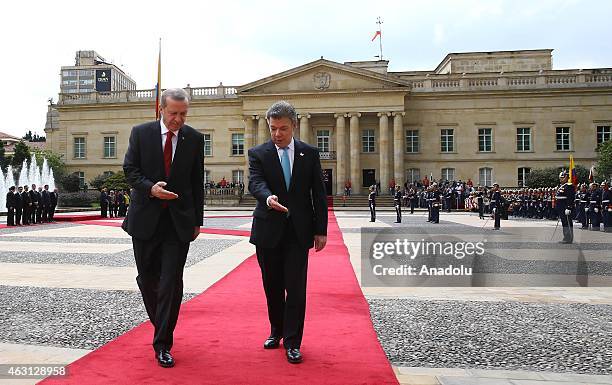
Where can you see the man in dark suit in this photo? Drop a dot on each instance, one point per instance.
(27, 206)
(164, 164)
(45, 199)
(291, 215)
(53, 197)
(104, 203)
(10, 206)
(18, 206)
(34, 208)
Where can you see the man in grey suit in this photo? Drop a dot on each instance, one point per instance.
(290, 216)
(164, 164)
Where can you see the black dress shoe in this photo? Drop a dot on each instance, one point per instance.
(272, 342)
(294, 356)
(164, 359)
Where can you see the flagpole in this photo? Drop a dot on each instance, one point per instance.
(379, 22)
(158, 91)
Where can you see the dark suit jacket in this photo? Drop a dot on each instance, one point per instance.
(45, 198)
(18, 200)
(144, 166)
(53, 198)
(10, 200)
(306, 198)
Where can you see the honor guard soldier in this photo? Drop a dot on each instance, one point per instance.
(397, 202)
(564, 198)
(606, 206)
(412, 198)
(372, 203)
(428, 196)
(480, 200)
(582, 198)
(496, 206)
(594, 207)
(436, 202)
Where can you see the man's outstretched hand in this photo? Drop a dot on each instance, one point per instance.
(159, 192)
(273, 204)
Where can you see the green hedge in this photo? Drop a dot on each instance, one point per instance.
(78, 199)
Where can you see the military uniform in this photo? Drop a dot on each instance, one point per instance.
(372, 204)
(496, 206)
(564, 204)
(594, 208)
(606, 207)
(397, 203)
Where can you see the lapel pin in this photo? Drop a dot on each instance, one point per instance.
(301, 154)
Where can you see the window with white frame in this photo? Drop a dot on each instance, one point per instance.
(563, 138)
(81, 176)
(110, 147)
(413, 175)
(485, 139)
(238, 176)
(448, 174)
(79, 148)
(523, 139)
(206, 176)
(604, 133)
(447, 140)
(523, 172)
(207, 145)
(485, 176)
(412, 141)
(237, 144)
(323, 140)
(368, 141)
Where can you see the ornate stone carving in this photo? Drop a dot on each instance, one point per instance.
(322, 80)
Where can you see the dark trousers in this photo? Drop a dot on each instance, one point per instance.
(51, 213)
(10, 217)
(32, 211)
(435, 214)
(25, 215)
(39, 213)
(568, 227)
(398, 213)
(104, 210)
(160, 262)
(372, 212)
(607, 220)
(497, 217)
(412, 205)
(45, 213)
(480, 210)
(18, 212)
(283, 272)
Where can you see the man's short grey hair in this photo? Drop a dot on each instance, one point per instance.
(282, 109)
(177, 94)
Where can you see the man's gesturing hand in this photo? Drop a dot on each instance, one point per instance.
(273, 204)
(320, 241)
(159, 192)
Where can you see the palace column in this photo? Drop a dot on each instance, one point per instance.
(341, 156)
(304, 128)
(354, 153)
(383, 149)
(263, 133)
(398, 147)
(249, 140)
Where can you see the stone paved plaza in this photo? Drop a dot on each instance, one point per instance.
(68, 288)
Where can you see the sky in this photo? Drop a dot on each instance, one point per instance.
(236, 42)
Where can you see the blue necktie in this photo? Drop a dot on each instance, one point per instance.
(286, 167)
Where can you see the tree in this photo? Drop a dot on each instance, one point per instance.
(117, 181)
(604, 164)
(54, 160)
(22, 152)
(70, 183)
(98, 182)
(3, 161)
(547, 177)
(33, 137)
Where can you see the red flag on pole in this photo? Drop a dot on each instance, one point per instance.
(376, 35)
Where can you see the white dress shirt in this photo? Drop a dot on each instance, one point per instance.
(164, 135)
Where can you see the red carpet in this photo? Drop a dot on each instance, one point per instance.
(203, 230)
(76, 217)
(219, 335)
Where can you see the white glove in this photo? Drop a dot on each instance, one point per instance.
(596, 209)
(494, 210)
(610, 209)
(568, 212)
(586, 209)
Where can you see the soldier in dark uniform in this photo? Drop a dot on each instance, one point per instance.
(412, 198)
(594, 207)
(480, 201)
(606, 206)
(372, 203)
(564, 198)
(436, 203)
(496, 206)
(18, 206)
(34, 208)
(27, 206)
(448, 196)
(582, 198)
(428, 196)
(10, 206)
(397, 203)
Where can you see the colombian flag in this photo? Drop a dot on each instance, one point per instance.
(158, 85)
(573, 179)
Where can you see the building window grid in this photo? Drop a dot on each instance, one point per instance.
(368, 141)
(485, 176)
(81, 176)
(447, 140)
(485, 139)
(604, 133)
(207, 145)
(238, 176)
(412, 141)
(563, 138)
(523, 139)
(206, 176)
(413, 175)
(79, 148)
(110, 147)
(523, 172)
(237, 144)
(447, 174)
(323, 140)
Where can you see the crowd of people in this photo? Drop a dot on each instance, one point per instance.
(113, 203)
(27, 206)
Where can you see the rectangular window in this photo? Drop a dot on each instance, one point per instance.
(237, 144)
(563, 138)
(523, 139)
(413, 175)
(238, 176)
(604, 133)
(485, 140)
(323, 140)
(107, 173)
(448, 174)
(412, 141)
(79, 148)
(110, 147)
(207, 145)
(367, 141)
(447, 140)
(81, 176)
(485, 176)
(206, 176)
(523, 172)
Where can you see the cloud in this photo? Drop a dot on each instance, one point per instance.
(439, 34)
